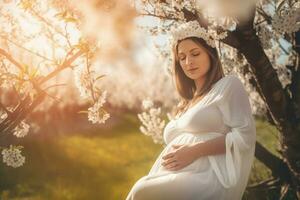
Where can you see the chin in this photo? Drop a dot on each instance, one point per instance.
(194, 77)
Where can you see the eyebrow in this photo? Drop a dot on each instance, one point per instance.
(190, 50)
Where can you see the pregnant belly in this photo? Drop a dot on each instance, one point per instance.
(199, 165)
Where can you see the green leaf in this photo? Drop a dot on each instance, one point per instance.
(99, 77)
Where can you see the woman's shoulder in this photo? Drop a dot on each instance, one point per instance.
(231, 78)
(229, 85)
(230, 81)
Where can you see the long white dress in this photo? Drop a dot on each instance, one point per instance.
(225, 109)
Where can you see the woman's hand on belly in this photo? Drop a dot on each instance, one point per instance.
(180, 157)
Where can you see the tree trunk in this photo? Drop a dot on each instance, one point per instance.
(282, 107)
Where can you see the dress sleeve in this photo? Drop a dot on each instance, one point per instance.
(240, 140)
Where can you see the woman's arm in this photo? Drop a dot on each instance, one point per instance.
(209, 147)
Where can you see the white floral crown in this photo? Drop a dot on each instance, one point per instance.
(190, 29)
(193, 29)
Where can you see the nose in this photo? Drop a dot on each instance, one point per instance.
(188, 61)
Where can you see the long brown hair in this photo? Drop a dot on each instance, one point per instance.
(184, 85)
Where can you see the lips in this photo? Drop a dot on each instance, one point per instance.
(192, 69)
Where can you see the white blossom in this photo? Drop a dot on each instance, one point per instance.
(102, 99)
(21, 130)
(96, 114)
(82, 81)
(3, 116)
(12, 156)
(152, 124)
(287, 21)
(147, 104)
(177, 4)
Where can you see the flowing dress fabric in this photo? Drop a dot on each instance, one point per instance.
(225, 109)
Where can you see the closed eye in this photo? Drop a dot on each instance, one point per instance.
(195, 54)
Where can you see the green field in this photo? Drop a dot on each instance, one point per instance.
(94, 163)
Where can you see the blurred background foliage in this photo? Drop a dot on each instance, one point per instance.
(82, 161)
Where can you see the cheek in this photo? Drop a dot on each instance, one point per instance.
(182, 65)
(205, 61)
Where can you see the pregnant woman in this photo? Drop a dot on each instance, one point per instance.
(210, 143)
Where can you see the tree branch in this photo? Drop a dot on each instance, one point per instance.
(66, 64)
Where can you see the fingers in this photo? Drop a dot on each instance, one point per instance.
(169, 155)
(168, 162)
(175, 168)
(171, 165)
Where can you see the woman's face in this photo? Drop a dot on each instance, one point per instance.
(193, 59)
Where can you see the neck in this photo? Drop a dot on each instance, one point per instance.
(199, 83)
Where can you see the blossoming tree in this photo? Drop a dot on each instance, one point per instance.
(42, 40)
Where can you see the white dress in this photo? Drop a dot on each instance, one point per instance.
(225, 109)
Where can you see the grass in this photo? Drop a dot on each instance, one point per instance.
(96, 163)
